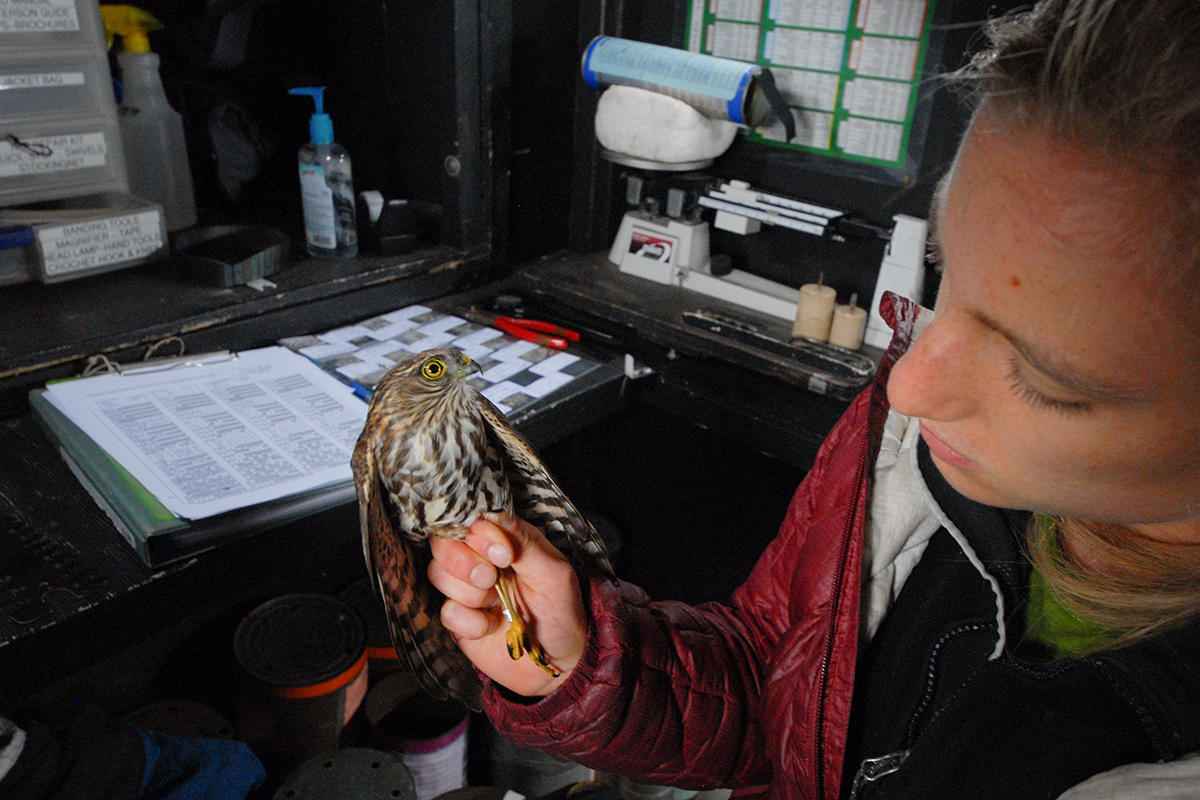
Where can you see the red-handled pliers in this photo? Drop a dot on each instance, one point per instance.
(537, 330)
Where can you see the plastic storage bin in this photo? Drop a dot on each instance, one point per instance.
(50, 26)
(58, 158)
(70, 86)
(58, 116)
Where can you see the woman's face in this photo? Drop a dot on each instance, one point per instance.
(1058, 374)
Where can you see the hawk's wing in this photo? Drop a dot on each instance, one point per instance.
(397, 569)
(538, 500)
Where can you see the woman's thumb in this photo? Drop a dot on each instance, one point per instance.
(507, 541)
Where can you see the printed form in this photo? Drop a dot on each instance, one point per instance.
(850, 70)
(224, 434)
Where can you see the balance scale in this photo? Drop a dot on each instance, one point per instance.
(673, 248)
(674, 251)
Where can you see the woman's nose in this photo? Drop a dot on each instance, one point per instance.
(933, 379)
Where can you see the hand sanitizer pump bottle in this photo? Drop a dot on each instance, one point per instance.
(151, 131)
(326, 187)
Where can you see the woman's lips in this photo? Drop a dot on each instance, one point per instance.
(944, 452)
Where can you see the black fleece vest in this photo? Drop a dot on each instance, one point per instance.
(934, 717)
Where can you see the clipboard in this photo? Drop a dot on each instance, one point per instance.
(184, 452)
(346, 362)
(158, 536)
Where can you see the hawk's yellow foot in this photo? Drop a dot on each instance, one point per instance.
(518, 639)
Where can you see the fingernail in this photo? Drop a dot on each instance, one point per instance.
(498, 555)
(483, 576)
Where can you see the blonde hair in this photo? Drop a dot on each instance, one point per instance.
(1120, 78)
(1132, 586)
(1123, 75)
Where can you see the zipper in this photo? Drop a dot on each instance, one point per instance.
(872, 769)
(827, 656)
(876, 404)
(931, 676)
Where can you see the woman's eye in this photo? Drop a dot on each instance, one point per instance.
(433, 369)
(1039, 399)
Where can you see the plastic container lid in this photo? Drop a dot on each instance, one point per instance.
(358, 772)
(299, 641)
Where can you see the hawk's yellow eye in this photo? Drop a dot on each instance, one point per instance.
(433, 369)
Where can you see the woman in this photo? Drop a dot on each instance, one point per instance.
(988, 584)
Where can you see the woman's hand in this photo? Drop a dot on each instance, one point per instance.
(547, 593)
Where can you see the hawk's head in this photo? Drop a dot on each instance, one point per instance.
(430, 378)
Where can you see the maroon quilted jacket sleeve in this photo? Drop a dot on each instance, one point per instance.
(662, 684)
(669, 693)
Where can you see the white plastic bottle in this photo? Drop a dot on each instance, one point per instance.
(151, 131)
(326, 186)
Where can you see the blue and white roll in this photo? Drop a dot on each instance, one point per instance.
(717, 87)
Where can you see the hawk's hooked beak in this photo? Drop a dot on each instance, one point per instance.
(466, 366)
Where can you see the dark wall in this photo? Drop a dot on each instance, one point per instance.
(542, 126)
(477, 108)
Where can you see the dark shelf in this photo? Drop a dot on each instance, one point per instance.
(50, 331)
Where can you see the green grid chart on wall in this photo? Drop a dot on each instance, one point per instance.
(849, 69)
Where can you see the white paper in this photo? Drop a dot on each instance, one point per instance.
(497, 392)
(383, 354)
(544, 386)
(227, 434)
(504, 370)
(827, 14)
(96, 242)
(328, 350)
(441, 325)
(477, 338)
(408, 312)
(346, 334)
(357, 370)
(740, 10)
(418, 328)
(556, 362)
(514, 350)
(429, 342)
(392, 329)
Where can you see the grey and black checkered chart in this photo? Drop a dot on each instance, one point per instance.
(513, 372)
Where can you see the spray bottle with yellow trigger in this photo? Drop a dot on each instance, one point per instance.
(151, 131)
(326, 185)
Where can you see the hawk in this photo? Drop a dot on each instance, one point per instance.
(434, 456)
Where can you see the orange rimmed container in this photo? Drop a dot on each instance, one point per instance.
(304, 673)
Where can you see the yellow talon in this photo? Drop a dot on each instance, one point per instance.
(517, 639)
(515, 647)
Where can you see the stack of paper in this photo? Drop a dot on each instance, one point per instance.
(169, 445)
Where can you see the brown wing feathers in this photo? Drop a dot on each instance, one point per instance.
(538, 500)
(417, 634)
(411, 606)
